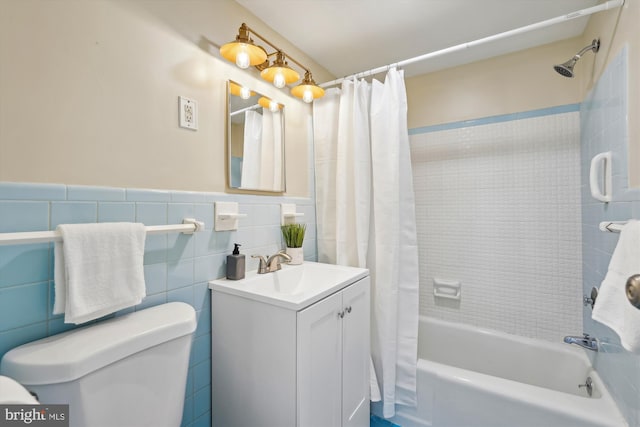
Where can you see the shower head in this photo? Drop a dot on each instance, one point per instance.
(566, 68)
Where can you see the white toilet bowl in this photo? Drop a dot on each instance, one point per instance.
(13, 393)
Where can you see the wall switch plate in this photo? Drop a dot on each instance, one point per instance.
(188, 113)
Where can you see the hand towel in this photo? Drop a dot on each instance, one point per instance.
(98, 269)
(612, 307)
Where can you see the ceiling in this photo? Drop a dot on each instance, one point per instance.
(349, 36)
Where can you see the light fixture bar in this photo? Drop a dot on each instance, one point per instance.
(289, 57)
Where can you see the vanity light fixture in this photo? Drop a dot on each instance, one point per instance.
(245, 53)
(241, 91)
(242, 51)
(272, 105)
(279, 73)
(308, 90)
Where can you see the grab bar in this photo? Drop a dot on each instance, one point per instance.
(602, 162)
(188, 226)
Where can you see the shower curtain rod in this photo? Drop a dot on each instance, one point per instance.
(242, 110)
(611, 4)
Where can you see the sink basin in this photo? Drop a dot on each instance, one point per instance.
(295, 286)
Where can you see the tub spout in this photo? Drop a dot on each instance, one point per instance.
(584, 341)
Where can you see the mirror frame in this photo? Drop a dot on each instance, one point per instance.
(228, 156)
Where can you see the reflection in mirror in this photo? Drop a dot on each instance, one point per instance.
(256, 140)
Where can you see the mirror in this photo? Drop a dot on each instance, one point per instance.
(255, 131)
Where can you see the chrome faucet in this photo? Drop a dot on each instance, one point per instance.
(272, 263)
(585, 341)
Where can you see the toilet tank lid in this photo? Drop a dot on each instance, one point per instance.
(76, 353)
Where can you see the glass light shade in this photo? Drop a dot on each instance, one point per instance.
(273, 106)
(243, 54)
(245, 93)
(289, 75)
(307, 91)
(269, 103)
(278, 80)
(242, 58)
(238, 90)
(307, 96)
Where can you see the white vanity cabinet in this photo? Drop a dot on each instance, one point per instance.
(302, 363)
(333, 359)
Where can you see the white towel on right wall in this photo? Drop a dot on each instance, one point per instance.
(612, 307)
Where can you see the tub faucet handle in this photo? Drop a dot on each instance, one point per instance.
(632, 289)
(586, 301)
(588, 385)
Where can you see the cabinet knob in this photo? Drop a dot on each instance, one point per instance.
(348, 309)
(341, 314)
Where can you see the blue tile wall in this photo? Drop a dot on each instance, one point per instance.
(560, 109)
(176, 267)
(603, 122)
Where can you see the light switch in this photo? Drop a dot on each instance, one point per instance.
(188, 113)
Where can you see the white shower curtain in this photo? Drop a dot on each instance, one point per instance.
(252, 150)
(262, 146)
(366, 217)
(271, 177)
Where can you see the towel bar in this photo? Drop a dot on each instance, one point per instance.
(188, 226)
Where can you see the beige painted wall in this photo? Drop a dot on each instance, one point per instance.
(89, 90)
(90, 93)
(615, 28)
(525, 80)
(520, 81)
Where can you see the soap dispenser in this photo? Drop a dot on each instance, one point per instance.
(235, 264)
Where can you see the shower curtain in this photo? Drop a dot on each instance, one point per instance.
(252, 150)
(366, 217)
(271, 177)
(262, 146)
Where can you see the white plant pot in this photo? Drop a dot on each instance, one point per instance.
(296, 254)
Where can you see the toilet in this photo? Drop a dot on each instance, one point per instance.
(13, 393)
(128, 371)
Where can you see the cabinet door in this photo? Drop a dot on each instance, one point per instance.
(355, 354)
(319, 368)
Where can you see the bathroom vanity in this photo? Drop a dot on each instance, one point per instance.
(291, 348)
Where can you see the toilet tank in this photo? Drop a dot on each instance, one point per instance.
(126, 371)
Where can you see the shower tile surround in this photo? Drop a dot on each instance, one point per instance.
(176, 267)
(603, 119)
(522, 234)
(498, 209)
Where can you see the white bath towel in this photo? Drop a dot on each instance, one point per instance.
(98, 269)
(612, 307)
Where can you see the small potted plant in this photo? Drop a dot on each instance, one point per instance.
(293, 235)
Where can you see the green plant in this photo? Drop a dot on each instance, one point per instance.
(293, 234)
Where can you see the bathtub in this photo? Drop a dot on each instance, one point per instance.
(472, 377)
